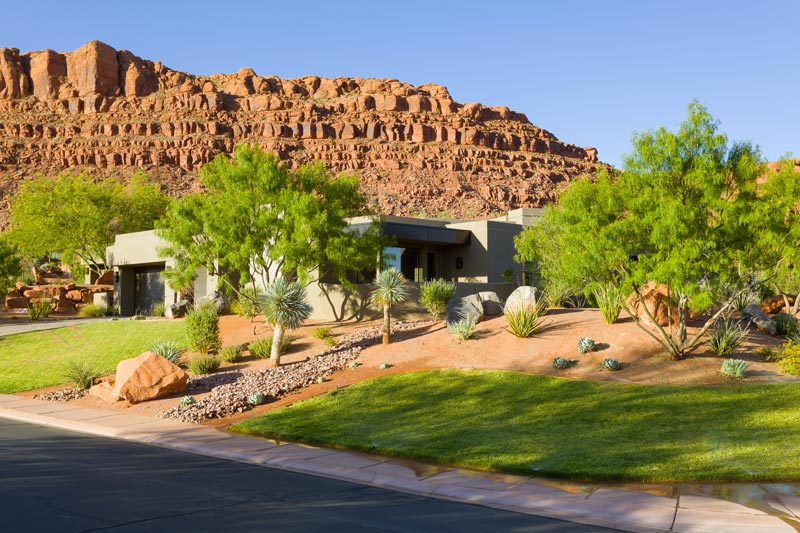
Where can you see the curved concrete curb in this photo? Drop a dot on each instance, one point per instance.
(680, 508)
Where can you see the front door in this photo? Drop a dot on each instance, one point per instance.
(149, 289)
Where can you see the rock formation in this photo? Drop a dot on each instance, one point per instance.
(416, 150)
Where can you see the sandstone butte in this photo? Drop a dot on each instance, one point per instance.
(416, 151)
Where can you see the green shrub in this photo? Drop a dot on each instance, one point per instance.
(464, 328)
(202, 329)
(560, 363)
(203, 364)
(94, 310)
(435, 294)
(40, 308)
(769, 354)
(526, 320)
(585, 345)
(330, 341)
(726, 335)
(790, 358)
(786, 324)
(82, 373)
(609, 363)
(609, 300)
(246, 304)
(261, 348)
(159, 309)
(733, 368)
(556, 293)
(230, 354)
(321, 332)
(172, 351)
(744, 298)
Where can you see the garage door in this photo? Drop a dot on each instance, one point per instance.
(149, 289)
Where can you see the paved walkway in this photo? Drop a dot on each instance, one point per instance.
(745, 508)
(39, 325)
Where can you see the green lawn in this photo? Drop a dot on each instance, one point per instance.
(551, 427)
(34, 360)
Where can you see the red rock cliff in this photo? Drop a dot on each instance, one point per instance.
(108, 112)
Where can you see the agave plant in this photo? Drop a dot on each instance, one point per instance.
(169, 350)
(285, 307)
(726, 335)
(560, 363)
(585, 345)
(390, 288)
(612, 364)
(186, 401)
(257, 398)
(733, 368)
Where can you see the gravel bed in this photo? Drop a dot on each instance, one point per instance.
(229, 390)
(63, 395)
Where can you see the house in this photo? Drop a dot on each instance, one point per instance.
(477, 254)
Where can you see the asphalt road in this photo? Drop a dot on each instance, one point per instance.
(58, 481)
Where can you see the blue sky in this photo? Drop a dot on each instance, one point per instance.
(591, 72)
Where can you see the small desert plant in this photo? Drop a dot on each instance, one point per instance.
(186, 401)
(246, 304)
(257, 398)
(230, 354)
(769, 354)
(159, 309)
(585, 345)
(609, 300)
(202, 329)
(262, 348)
(744, 298)
(203, 364)
(525, 320)
(790, 358)
(733, 368)
(82, 373)
(435, 294)
(464, 328)
(321, 332)
(354, 364)
(94, 310)
(330, 341)
(172, 351)
(609, 363)
(384, 366)
(560, 363)
(726, 336)
(786, 324)
(41, 308)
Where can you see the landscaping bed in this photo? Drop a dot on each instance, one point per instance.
(519, 423)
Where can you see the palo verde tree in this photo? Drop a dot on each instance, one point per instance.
(261, 220)
(778, 220)
(676, 215)
(78, 218)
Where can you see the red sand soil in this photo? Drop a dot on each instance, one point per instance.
(430, 346)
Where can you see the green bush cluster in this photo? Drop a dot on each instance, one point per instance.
(230, 354)
(203, 364)
(435, 294)
(790, 358)
(202, 329)
(324, 334)
(262, 348)
(94, 310)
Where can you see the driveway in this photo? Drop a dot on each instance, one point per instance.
(39, 325)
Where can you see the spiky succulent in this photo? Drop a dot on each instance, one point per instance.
(733, 368)
(609, 363)
(585, 345)
(257, 398)
(354, 364)
(560, 363)
(186, 401)
(169, 350)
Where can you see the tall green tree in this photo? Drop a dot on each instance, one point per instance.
(76, 217)
(261, 220)
(10, 266)
(390, 288)
(677, 215)
(285, 307)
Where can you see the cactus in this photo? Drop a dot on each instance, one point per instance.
(610, 363)
(585, 345)
(186, 401)
(560, 363)
(257, 398)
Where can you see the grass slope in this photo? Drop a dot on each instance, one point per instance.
(551, 427)
(37, 359)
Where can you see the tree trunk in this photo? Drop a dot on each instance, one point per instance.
(277, 343)
(387, 326)
(683, 310)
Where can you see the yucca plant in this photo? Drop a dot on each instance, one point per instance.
(525, 320)
(435, 294)
(169, 350)
(464, 328)
(41, 308)
(585, 345)
(786, 324)
(733, 368)
(609, 363)
(390, 288)
(726, 335)
(609, 300)
(82, 373)
(285, 307)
